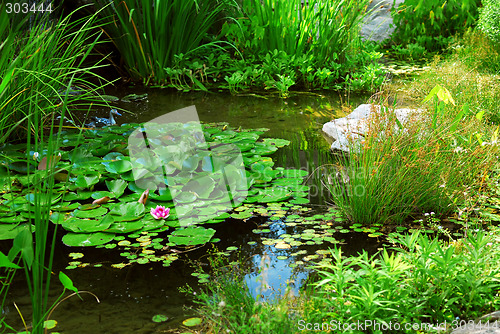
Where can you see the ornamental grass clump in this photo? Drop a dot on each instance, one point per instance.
(431, 162)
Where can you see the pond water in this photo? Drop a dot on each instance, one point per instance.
(131, 296)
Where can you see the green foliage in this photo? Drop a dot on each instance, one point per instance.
(489, 20)
(149, 34)
(324, 29)
(423, 281)
(431, 25)
(41, 68)
(100, 167)
(424, 165)
(174, 49)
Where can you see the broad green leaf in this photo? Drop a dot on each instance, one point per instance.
(5, 262)
(160, 318)
(100, 211)
(125, 226)
(192, 322)
(134, 209)
(87, 239)
(117, 187)
(77, 225)
(23, 243)
(83, 181)
(118, 166)
(191, 236)
(67, 282)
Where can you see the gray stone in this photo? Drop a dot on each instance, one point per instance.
(352, 128)
(377, 24)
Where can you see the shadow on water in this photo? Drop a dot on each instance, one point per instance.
(130, 297)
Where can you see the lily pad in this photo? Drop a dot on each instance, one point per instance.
(100, 211)
(192, 322)
(160, 318)
(191, 236)
(78, 225)
(131, 209)
(87, 239)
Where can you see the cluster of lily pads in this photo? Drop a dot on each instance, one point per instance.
(98, 201)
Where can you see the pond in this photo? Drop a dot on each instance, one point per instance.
(131, 296)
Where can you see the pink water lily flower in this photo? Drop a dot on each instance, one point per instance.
(160, 212)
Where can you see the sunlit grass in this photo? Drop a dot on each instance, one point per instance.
(471, 74)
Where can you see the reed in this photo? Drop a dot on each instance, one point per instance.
(324, 29)
(150, 34)
(41, 66)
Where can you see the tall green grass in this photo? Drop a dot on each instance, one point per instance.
(324, 29)
(430, 163)
(41, 66)
(150, 34)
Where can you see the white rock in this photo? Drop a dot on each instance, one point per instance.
(355, 125)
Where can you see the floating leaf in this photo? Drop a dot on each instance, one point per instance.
(90, 213)
(78, 225)
(118, 166)
(87, 239)
(117, 187)
(192, 322)
(160, 318)
(191, 236)
(132, 209)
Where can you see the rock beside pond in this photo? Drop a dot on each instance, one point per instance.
(377, 24)
(354, 126)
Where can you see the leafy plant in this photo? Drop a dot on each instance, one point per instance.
(32, 93)
(432, 24)
(489, 20)
(325, 29)
(423, 281)
(42, 67)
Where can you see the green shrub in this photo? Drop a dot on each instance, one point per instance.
(422, 281)
(432, 24)
(489, 19)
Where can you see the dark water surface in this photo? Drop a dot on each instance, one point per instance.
(130, 297)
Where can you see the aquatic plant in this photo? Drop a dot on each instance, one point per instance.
(149, 35)
(160, 212)
(42, 67)
(101, 206)
(32, 93)
(324, 29)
